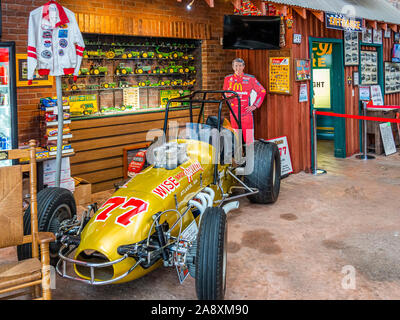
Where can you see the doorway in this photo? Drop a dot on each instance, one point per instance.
(327, 92)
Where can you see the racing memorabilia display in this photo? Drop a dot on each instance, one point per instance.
(303, 69)
(351, 56)
(55, 43)
(279, 75)
(377, 36)
(392, 77)
(367, 35)
(129, 73)
(369, 67)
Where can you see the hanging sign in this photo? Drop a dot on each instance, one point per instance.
(364, 93)
(341, 22)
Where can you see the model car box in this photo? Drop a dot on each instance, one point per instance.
(77, 103)
(83, 191)
(165, 95)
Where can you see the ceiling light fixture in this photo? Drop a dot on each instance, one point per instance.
(189, 6)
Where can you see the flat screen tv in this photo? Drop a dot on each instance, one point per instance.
(251, 32)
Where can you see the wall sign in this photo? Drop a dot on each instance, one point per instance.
(303, 95)
(297, 38)
(341, 22)
(376, 95)
(388, 33)
(364, 93)
(351, 56)
(369, 67)
(392, 77)
(387, 138)
(279, 75)
(303, 69)
(286, 162)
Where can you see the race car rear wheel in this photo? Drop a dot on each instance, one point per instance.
(211, 255)
(54, 206)
(266, 175)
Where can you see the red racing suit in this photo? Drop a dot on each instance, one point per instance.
(243, 86)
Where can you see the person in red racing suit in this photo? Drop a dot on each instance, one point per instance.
(244, 85)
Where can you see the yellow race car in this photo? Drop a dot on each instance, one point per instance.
(173, 213)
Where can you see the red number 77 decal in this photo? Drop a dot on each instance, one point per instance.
(137, 205)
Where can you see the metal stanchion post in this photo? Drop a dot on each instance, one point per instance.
(316, 171)
(60, 116)
(364, 155)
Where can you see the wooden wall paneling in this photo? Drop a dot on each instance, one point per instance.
(101, 186)
(95, 154)
(101, 164)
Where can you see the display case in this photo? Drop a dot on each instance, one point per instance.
(8, 100)
(121, 74)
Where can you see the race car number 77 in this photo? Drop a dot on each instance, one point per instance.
(124, 219)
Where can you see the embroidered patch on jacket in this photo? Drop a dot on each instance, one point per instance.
(61, 52)
(47, 34)
(46, 54)
(47, 43)
(63, 33)
(63, 26)
(63, 43)
(46, 27)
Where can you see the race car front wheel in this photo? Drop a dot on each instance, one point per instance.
(54, 206)
(211, 255)
(266, 174)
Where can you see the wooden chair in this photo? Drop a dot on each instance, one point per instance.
(33, 272)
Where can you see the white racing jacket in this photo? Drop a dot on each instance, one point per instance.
(55, 43)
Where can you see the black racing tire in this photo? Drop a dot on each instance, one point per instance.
(266, 174)
(54, 206)
(211, 255)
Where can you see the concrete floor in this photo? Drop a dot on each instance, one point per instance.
(334, 236)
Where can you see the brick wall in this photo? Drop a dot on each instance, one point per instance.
(216, 62)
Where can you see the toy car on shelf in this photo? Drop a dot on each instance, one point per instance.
(109, 85)
(84, 71)
(148, 55)
(176, 55)
(165, 83)
(124, 84)
(123, 69)
(97, 70)
(87, 108)
(141, 69)
(94, 54)
(145, 83)
(115, 52)
(78, 86)
(173, 68)
(177, 82)
(173, 213)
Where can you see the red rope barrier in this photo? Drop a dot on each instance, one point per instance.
(332, 114)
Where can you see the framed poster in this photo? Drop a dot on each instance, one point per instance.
(387, 138)
(303, 69)
(388, 33)
(22, 74)
(392, 77)
(369, 67)
(351, 56)
(279, 75)
(367, 36)
(377, 36)
(129, 152)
